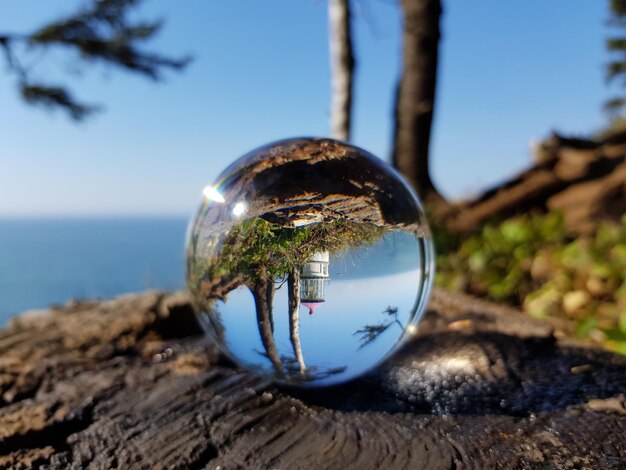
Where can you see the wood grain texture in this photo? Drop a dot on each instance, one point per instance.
(131, 383)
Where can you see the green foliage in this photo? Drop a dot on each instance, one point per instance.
(532, 262)
(255, 245)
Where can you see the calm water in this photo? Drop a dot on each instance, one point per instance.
(49, 261)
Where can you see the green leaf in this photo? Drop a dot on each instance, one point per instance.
(622, 321)
(585, 326)
(618, 347)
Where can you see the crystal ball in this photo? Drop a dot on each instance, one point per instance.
(309, 261)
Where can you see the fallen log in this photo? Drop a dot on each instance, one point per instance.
(583, 179)
(132, 383)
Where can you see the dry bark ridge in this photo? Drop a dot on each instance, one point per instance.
(584, 179)
(130, 383)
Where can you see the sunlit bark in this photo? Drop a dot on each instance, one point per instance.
(341, 66)
(293, 286)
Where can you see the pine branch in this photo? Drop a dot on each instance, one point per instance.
(616, 44)
(99, 32)
(615, 69)
(370, 333)
(615, 106)
(618, 8)
(56, 97)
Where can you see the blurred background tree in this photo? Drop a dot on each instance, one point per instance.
(616, 67)
(99, 32)
(415, 94)
(489, 244)
(102, 32)
(536, 241)
(415, 98)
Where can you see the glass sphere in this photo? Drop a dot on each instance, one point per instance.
(309, 261)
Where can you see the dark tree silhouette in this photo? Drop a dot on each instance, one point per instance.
(616, 67)
(415, 98)
(370, 333)
(98, 32)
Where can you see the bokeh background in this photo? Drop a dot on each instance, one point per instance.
(100, 207)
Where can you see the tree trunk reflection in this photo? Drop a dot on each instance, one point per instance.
(293, 287)
(263, 292)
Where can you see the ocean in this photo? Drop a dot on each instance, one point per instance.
(49, 261)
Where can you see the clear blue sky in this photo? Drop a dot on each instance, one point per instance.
(510, 72)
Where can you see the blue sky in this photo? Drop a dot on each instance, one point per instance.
(510, 72)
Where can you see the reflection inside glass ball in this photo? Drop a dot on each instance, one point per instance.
(309, 261)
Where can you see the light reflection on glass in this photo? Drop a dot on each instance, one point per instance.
(239, 209)
(212, 194)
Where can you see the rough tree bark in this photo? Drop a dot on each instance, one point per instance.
(415, 98)
(293, 288)
(342, 67)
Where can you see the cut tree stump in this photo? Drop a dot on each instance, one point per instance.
(132, 383)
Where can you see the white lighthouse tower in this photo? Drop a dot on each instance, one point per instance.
(313, 276)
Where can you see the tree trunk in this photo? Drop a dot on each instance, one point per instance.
(293, 286)
(263, 292)
(415, 98)
(341, 66)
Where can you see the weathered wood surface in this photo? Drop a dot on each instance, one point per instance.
(583, 179)
(130, 383)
